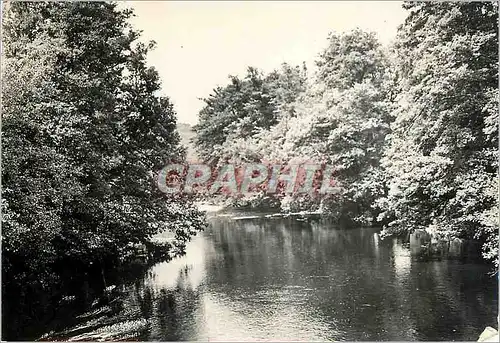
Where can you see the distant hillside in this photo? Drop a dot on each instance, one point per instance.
(187, 135)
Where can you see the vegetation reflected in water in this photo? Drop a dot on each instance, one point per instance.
(282, 279)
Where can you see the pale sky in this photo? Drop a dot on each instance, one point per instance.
(200, 43)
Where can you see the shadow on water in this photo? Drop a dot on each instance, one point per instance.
(287, 279)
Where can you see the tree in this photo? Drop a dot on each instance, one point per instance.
(441, 160)
(342, 120)
(84, 134)
(242, 108)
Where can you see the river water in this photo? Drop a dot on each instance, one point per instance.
(285, 279)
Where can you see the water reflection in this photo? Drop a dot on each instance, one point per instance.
(282, 279)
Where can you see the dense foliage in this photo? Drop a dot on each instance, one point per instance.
(411, 129)
(242, 108)
(441, 162)
(83, 134)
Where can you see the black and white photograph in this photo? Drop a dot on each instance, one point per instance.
(250, 171)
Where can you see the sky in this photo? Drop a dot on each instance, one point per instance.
(201, 43)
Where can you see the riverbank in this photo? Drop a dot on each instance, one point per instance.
(426, 244)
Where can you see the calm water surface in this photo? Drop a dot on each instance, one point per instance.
(283, 279)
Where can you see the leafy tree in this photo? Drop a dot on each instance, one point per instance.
(351, 58)
(442, 155)
(342, 119)
(242, 108)
(84, 134)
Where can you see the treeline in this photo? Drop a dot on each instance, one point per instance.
(83, 134)
(411, 128)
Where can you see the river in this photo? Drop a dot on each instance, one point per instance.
(285, 279)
